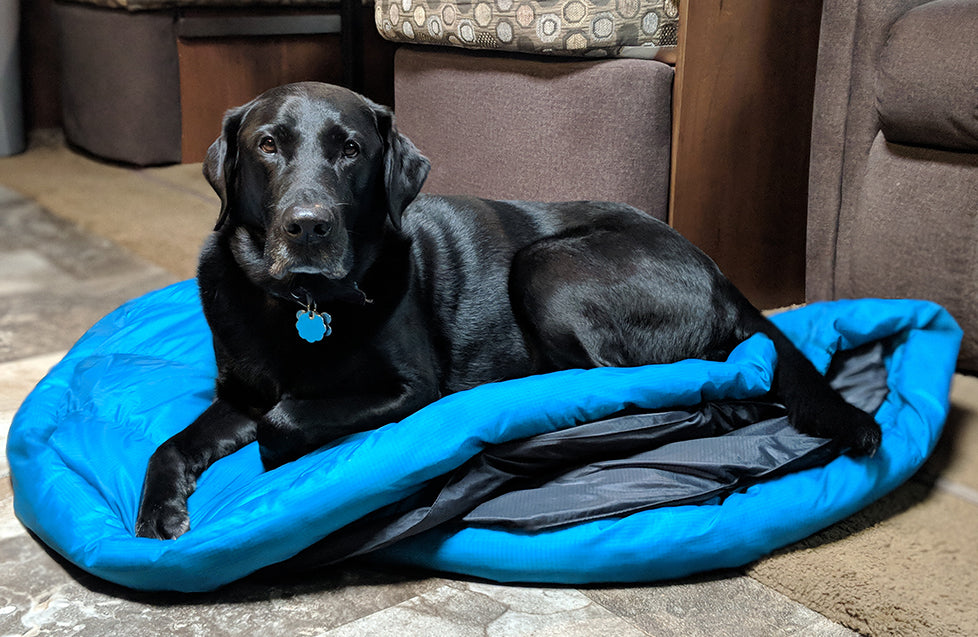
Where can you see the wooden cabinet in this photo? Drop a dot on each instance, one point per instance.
(742, 109)
(227, 57)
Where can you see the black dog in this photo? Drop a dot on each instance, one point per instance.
(427, 295)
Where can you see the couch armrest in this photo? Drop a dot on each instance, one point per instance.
(845, 123)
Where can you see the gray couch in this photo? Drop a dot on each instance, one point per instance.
(893, 190)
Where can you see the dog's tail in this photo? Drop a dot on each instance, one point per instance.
(814, 407)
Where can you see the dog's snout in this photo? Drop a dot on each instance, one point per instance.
(307, 224)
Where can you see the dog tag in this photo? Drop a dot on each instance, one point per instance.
(313, 326)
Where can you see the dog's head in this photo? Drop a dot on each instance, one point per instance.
(308, 175)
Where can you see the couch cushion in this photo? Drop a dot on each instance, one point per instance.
(594, 28)
(913, 233)
(927, 82)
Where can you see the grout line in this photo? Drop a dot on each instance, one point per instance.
(616, 613)
(948, 486)
(955, 488)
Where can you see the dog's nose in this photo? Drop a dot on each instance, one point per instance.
(307, 224)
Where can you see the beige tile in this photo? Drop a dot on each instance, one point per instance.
(24, 270)
(57, 281)
(33, 323)
(714, 607)
(163, 215)
(10, 527)
(40, 594)
(17, 378)
(26, 227)
(460, 609)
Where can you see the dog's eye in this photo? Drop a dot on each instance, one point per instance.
(267, 145)
(351, 149)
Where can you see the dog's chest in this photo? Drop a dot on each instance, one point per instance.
(270, 354)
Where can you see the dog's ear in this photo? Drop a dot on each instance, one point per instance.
(221, 161)
(405, 168)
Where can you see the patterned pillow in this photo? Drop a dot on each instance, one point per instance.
(592, 28)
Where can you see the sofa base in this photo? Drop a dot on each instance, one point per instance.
(520, 128)
(120, 89)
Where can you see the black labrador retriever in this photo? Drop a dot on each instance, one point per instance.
(340, 300)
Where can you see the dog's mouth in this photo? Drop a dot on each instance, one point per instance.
(308, 269)
(330, 256)
(281, 267)
(275, 259)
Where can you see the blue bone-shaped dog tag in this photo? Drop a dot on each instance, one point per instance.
(313, 326)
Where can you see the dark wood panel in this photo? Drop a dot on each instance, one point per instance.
(742, 126)
(39, 61)
(217, 73)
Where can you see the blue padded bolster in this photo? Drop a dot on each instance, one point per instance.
(79, 445)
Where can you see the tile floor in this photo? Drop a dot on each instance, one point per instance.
(56, 281)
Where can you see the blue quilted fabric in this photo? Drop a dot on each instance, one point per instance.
(79, 445)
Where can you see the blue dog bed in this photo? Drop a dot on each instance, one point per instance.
(79, 445)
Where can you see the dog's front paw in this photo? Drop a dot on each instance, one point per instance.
(162, 521)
